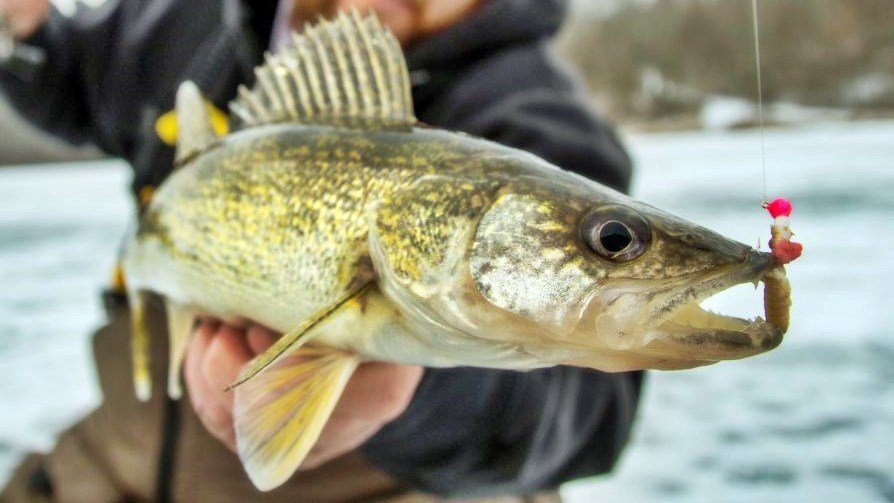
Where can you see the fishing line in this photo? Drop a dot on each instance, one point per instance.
(784, 250)
(760, 95)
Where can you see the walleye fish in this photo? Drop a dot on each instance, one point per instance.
(331, 215)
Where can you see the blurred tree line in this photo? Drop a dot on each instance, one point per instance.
(648, 60)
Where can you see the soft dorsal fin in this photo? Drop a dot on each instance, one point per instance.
(195, 131)
(346, 72)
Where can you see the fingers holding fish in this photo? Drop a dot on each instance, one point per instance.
(215, 357)
(340, 436)
(216, 351)
(260, 338)
(379, 391)
(227, 353)
(377, 394)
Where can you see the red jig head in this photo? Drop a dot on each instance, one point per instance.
(783, 248)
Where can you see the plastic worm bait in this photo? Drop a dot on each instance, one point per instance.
(777, 290)
(777, 298)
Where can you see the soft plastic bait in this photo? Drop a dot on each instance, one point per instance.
(777, 290)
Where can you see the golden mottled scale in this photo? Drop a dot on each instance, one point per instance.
(281, 213)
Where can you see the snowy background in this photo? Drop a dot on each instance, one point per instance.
(813, 420)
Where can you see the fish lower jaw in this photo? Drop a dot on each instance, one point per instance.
(695, 321)
(697, 332)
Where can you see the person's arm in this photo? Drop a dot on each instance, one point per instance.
(479, 432)
(51, 96)
(527, 99)
(558, 127)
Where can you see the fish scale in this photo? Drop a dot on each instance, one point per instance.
(286, 199)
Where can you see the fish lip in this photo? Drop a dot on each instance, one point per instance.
(755, 336)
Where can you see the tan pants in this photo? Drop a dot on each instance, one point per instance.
(120, 452)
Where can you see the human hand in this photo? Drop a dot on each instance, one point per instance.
(24, 16)
(376, 394)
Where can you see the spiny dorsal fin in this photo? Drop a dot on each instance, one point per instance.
(195, 130)
(346, 72)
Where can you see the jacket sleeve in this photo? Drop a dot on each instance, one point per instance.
(481, 432)
(52, 95)
(477, 432)
(558, 127)
(526, 98)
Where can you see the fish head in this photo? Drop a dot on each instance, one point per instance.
(569, 272)
(616, 279)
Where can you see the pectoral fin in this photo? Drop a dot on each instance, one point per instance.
(280, 413)
(296, 338)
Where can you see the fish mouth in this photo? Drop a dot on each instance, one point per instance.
(684, 330)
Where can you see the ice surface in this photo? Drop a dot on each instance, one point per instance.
(60, 227)
(811, 421)
(728, 112)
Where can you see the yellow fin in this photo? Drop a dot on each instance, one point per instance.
(180, 325)
(299, 336)
(139, 346)
(279, 415)
(168, 129)
(349, 72)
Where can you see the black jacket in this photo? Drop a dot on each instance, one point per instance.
(110, 72)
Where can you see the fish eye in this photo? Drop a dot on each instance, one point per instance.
(615, 233)
(614, 236)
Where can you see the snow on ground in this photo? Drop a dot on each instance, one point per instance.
(728, 112)
(813, 420)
